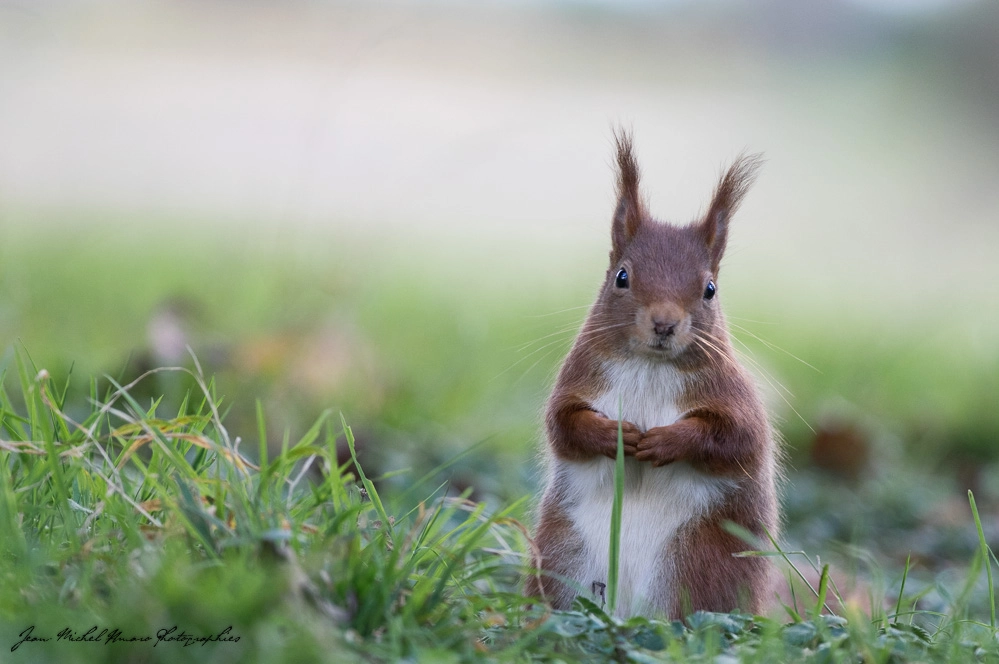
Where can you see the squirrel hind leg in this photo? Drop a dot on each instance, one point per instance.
(713, 579)
(559, 552)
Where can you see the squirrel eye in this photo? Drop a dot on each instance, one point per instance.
(622, 278)
(710, 290)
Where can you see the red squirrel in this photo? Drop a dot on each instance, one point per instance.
(655, 351)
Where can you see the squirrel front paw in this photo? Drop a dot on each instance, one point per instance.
(630, 434)
(655, 447)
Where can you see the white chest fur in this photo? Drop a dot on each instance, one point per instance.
(657, 501)
(646, 391)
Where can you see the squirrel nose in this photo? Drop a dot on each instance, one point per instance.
(663, 327)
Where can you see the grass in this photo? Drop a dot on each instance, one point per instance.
(614, 554)
(135, 520)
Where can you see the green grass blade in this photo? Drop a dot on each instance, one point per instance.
(792, 567)
(368, 486)
(901, 590)
(615, 524)
(986, 559)
(823, 590)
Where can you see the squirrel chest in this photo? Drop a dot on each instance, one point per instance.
(657, 501)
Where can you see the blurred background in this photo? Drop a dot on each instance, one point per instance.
(400, 211)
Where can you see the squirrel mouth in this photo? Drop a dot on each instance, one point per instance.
(663, 346)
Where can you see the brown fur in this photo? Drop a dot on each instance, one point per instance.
(723, 429)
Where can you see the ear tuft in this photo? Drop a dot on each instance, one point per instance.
(728, 195)
(630, 211)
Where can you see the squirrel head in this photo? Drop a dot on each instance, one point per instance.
(660, 296)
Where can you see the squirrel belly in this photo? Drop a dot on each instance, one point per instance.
(658, 502)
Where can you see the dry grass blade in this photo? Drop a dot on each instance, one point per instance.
(35, 448)
(200, 441)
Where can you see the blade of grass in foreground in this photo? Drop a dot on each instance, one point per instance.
(986, 559)
(368, 486)
(615, 525)
(901, 590)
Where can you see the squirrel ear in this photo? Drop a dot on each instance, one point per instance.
(630, 212)
(731, 189)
